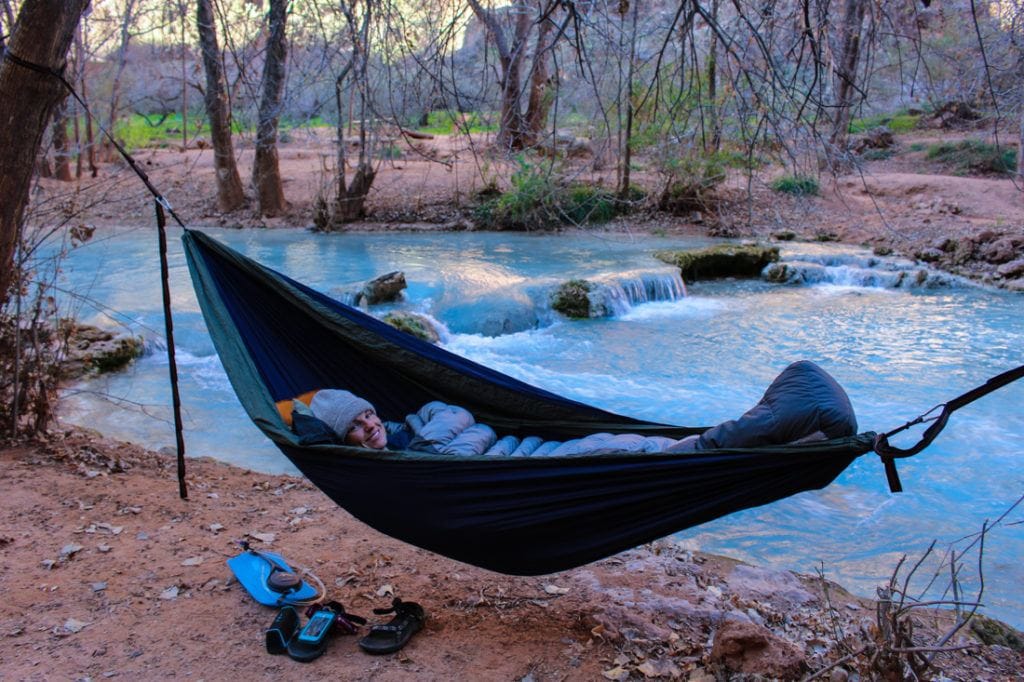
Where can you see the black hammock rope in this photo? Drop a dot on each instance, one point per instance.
(886, 452)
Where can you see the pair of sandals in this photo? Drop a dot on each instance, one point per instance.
(311, 641)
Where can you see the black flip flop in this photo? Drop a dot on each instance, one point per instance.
(392, 636)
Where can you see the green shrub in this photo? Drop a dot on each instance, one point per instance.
(797, 185)
(974, 156)
(689, 181)
(528, 204)
(538, 199)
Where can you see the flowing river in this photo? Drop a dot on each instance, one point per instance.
(899, 339)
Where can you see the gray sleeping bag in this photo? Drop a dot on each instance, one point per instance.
(803, 403)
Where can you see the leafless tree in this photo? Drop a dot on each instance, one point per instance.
(519, 129)
(266, 175)
(230, 195)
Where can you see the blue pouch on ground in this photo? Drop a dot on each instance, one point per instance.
(254, 571)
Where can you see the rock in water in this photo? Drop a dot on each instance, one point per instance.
(383, 289)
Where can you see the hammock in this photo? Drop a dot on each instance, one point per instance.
(278, 339)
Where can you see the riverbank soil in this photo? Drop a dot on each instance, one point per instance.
(902, 202)
(107, 574)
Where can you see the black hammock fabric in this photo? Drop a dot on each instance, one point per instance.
(516, 515)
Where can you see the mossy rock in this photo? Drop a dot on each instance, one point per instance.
(117, 356)
(723, 260)
(572, 298)
(91, 349)
(991, 631)
(414, 324)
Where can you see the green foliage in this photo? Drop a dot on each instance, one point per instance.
(739, 160)
(538, 199)
(797, 185)
(389, 152)
(974, 156)
(445, 122)
(689, 180)
(900, 122)
(588, 204)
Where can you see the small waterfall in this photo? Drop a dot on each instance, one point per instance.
(858, 271)
(619, 295)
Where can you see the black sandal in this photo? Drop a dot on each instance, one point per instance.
(388, 638)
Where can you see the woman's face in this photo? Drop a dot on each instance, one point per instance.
(367, 431)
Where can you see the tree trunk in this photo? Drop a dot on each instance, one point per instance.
(115, 88)
(266, 175)
(627, 151)
(59, 133)
(184, 76)
(42, 35)
(349, 202)
(539, 104)
(83, 92)
(846, 71)
(230, 195)
(512, 133)
(712, 73)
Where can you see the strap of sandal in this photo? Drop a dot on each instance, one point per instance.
(346, 623)
(402, 608)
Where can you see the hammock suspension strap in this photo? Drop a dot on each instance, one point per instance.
(889, 453)
(162, 206)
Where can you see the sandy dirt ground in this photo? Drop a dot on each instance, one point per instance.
(106, 574)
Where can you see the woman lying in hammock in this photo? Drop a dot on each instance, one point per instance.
(803, 403)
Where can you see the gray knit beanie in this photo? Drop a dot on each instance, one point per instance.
(338, 409)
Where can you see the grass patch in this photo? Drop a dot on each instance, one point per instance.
(161, 130)
(974, 156)
(796, 185)
(444, 122)
(897, 123)
(389, 153)
(878, 154)
(157, 130)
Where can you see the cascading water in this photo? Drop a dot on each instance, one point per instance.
(623, 292)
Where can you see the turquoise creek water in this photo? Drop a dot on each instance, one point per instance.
(899, 339)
